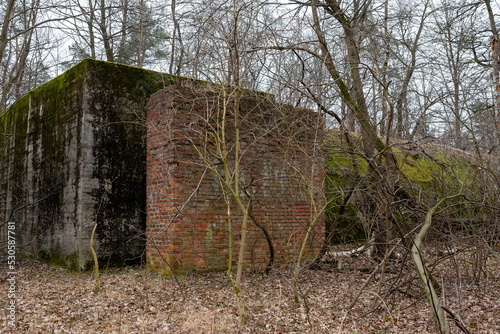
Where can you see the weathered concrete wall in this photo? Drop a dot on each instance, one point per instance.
(187, 220)
(42, 162)
(72, 151)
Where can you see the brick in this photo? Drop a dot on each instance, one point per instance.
(197, 239)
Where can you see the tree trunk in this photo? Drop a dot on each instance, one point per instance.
(123, 39)
(104, 32)
(495, 60)
(427, 282)
(5, 28)
(90, 24)
(496, 88)
(141, 36)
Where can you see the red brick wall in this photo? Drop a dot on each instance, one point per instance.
(187, 215)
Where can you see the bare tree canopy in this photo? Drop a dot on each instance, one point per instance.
(409, 92)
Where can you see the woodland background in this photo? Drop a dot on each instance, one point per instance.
(411, 90)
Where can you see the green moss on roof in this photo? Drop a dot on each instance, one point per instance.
(427, 173)
(137, 83)
(58, 95)
(128, 78)
(134, 82)
(416, 166)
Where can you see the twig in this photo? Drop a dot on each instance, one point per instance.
(456, 319)
(96, 262)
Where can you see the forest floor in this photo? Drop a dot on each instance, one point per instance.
(51, 299)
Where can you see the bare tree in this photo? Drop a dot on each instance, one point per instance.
(5, 27)
(495, 59)
(24, 48)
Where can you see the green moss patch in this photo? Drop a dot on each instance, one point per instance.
(55, 257)
(426, 174)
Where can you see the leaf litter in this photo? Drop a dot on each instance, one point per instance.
(51, 299)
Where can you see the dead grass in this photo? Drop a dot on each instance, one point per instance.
(135, 300)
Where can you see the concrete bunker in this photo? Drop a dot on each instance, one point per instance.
(74, 152)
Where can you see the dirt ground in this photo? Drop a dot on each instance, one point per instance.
(135, 300)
